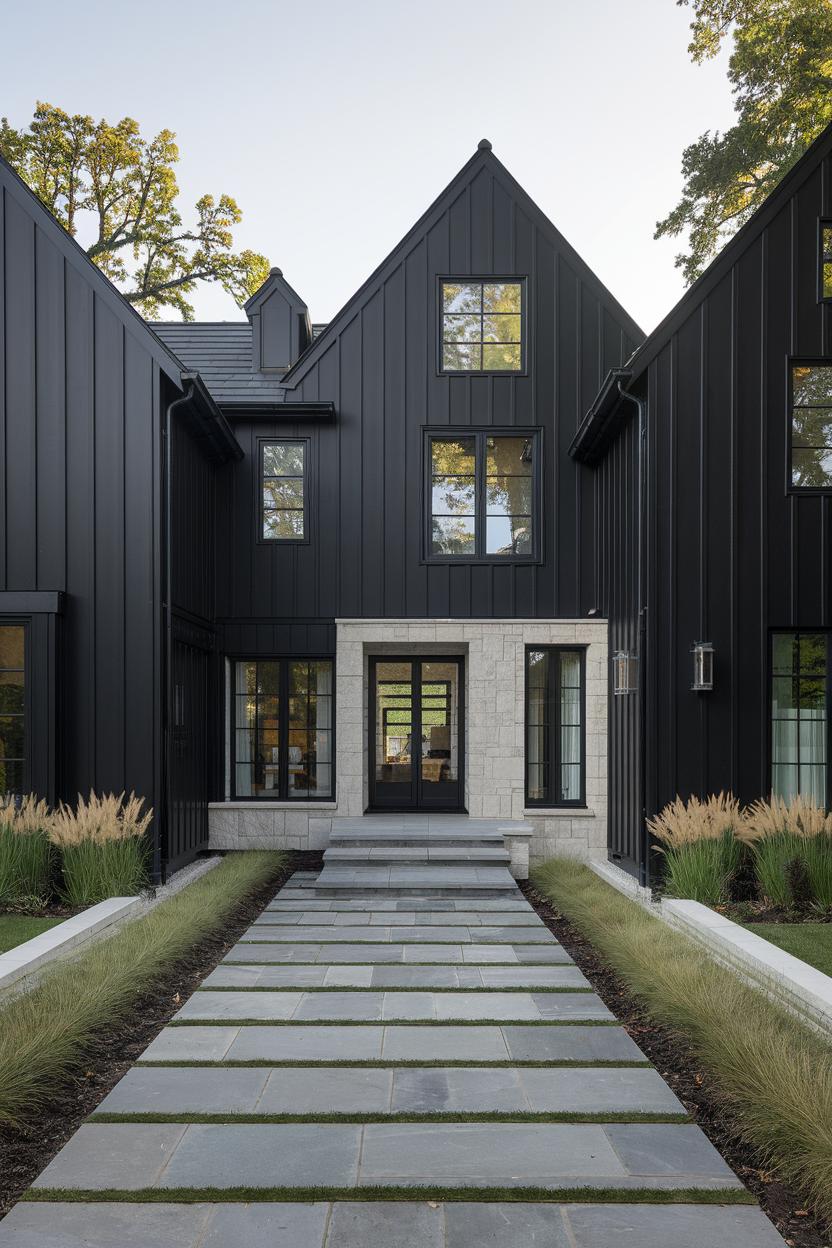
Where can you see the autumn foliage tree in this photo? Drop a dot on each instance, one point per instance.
(781, 74)
(120, 188)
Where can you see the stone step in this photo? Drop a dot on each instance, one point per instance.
(505, 1044)
(396, 918)
(370, 1006)
(428, 879)
(383, 839)
(465, 978)
(253, 950)
(380, 1224)
(448, 905)
(262, 931)
(160, 1156)
(418, 855)
(405, 1090)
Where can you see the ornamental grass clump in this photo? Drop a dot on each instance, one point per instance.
(103, 846)
(700, 846)
(790, 842)
(26, 858)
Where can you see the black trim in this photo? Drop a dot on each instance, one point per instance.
(415, 800)
(263, 442)
(34, 602)
(480, 434)
(478, 279)
(792, 362)
(281, 794)
(273, 410)
(553, 743)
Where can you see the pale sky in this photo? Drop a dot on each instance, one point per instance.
(334, 124)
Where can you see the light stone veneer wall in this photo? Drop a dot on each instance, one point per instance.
(494, 652)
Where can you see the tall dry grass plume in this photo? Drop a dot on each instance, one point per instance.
(100, 820)
(684, 823)
(801, 817)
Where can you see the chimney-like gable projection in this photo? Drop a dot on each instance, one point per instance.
(280, 326)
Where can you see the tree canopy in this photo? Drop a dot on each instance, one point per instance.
(123, 185)
(780, 70)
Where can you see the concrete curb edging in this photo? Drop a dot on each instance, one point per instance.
(20, 966)
(792, 983)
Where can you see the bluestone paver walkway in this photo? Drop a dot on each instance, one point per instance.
(412, 1046)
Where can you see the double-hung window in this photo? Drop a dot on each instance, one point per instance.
(483, 325)
(13, 760)
(282, 729)
(555, 726)
(800, 715)
(284, 490)
(810, 386)
(483, 491)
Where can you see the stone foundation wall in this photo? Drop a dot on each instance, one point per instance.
(494, 652)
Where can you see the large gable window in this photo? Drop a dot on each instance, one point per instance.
(283, 490)
(483, 326)
(825, 260)
(811, 425)
(483, 489)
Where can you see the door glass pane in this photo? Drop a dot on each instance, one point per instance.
(799, 716)
(440, 723)
(394, 745)
(309, 765)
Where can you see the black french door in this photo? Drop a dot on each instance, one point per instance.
(416, 745)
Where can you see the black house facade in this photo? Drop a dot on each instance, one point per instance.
(270, 573)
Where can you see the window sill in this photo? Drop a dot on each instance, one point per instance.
(254, 803)
(560, 812)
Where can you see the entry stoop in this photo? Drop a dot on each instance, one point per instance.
(417, 855)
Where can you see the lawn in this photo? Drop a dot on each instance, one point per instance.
(17, 928)
(810, 941)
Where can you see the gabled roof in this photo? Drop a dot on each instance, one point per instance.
(730, 253)
(220, 351)
(483, 158)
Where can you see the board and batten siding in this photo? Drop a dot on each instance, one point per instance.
(377, 363)
(80, 451)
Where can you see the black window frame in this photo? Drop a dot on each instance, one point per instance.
(259, 511)
(25, 623)
(282, 793)
(480, 433)
(488, 279)
(553, 751)
(798, 632)
(792, 362)
(824, 223)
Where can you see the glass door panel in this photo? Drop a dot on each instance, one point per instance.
(439, 708)
(393, 714)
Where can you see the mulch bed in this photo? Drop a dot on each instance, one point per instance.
(25, 1152)
(671, 1054)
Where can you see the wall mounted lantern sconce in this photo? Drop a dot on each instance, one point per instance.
(703, 666)
(624, 672)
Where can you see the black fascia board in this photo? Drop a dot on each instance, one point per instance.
(213, 426)
(596, 429)
(310, 409)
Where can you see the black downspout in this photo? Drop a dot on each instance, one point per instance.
(163, 851)
(644, 839)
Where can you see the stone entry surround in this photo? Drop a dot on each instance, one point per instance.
(346, 1074)
(494, 653)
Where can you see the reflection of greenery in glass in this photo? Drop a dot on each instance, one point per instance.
(826, 273)
(482, 327)
(12, 689)
(508, 467)
(283, 490)
(469, 475)
(812, 425)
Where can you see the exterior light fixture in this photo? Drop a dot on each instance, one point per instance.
(703, 666)
(624, 672)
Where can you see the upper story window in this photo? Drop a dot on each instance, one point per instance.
(483, 326)
(284, 490)
(825, 260)
(12, 708)
(484, 490)
(811, 425)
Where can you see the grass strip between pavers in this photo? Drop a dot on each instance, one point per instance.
(347, 940)
(393, 1022)
(380, 1063)
(491, 1195)
(339, 988)
(450, 1116)
(773, 1074)
(46, 1032)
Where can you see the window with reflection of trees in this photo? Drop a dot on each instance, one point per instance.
(482, 326)
(554, 726)
(482, 488)
(282, 729)
(799, 715)
(825, 260)
(12, 708)
(283, 485)
(812, 426)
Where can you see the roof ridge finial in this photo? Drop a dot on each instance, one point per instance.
(484, 145)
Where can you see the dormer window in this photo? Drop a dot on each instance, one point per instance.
(825, 260)
(483, 325)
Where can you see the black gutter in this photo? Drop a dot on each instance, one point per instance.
(215, 428)
(271, 409)
(597, 427)
(644, 838)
